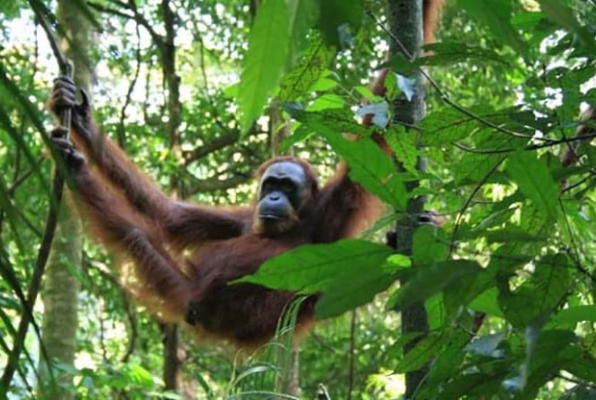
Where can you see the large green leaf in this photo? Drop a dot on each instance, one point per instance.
(447, 361)
(446, 126)
(487, 303)
(539, 295)
(350, 292)
(269, 40)
(340, 20)
(403, 145)
(449, 53)
(372, 168)
(581, 363)
(337, 121)
(307, 72)
(369, 165)
(302, 16)
(429, 245)
(473, 383)
(576, 314)
(311, 268)
(535, 181)
(418, 356)
(546, 352)
(348, 273)
(466, 289)
(475, 168)
(10, 8)
(496, 15)
(430, 280)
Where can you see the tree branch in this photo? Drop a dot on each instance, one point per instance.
(138, 17)
(214, 145)
(215, 184)
(66, 69)
(121, 128)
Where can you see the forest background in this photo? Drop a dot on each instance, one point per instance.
(199, 93)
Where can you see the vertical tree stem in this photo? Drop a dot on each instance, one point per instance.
(405, 23)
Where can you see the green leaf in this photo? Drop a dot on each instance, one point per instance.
(430, 280)
(487, 303)
(559, 13)
(372, 168)
(400, 64)
(348, 273)
(369, 165)
(365, 92)
(512, 234)
(539, 295)
(573, 315)
(472, 383)
(535, 181)
(435, 311)
(10, 8)
(164, 395)
(582, 364)
(464, 290)
(449, 53)
(447, 361)
(301, 134)
(328, 101)
(496, 15)
(141, 376)
(396, 349)
(269, 40)
(545, 354)
(509, 257)
(392, 89)
(418, 356)
(429, 245)
(403, 145)
(348, 293)
(400, 261)
(308, 73)
(324, 84)
(336, 121)
(302, 15)
(340, 20)
(446, 126)
(476, 168)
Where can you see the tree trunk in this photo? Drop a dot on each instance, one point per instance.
(61, 285)
(405, 24)
(170, 356)
(171, 363)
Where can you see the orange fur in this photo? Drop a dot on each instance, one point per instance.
(132, 217)
(432, 14)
